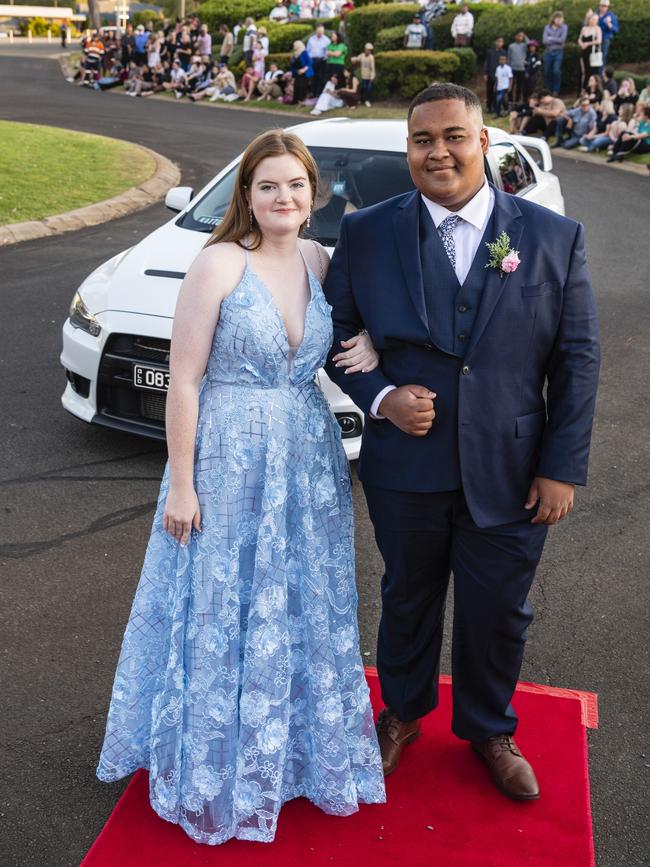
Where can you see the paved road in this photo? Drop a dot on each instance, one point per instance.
(77, 501)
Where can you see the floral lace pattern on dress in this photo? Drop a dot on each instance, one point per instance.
(240, 683)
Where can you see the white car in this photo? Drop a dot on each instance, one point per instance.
(116, 339)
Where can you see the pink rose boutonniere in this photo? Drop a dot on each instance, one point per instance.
(502, 256)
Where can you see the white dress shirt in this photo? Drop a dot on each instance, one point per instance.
(467, 236)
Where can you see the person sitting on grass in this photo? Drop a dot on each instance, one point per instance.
(176, 79)
(613, 131)
(626, 93)
(637, 142)
(593, 90)
(269, 87)
(328, 100)
(609, 82)
(577, 122)
(204, 82)
(546, 115)
(224, 86)
(350, 93)
(521, 113)
(248, 85)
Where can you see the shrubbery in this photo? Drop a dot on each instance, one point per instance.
(283, 59)
(39, 26)
(405, 73)
(390, 39)
(148, 15)
(468, 63)
(362, 25)
(216, 12)
(281, 38)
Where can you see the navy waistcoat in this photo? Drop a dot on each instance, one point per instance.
(451, 312)
(451, 308)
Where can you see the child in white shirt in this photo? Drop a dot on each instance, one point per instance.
(502, 84)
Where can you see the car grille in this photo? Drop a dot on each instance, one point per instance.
(117, 399)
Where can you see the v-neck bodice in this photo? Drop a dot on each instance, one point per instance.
(251, 345)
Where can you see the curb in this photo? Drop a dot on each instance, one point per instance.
(580, 157)
(166, 175)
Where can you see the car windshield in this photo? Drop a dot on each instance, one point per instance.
(350, 179)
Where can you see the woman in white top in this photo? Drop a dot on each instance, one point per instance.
(328, 99)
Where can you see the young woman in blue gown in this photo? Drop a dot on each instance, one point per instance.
(240, 683)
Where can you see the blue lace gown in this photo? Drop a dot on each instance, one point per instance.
(240, 683)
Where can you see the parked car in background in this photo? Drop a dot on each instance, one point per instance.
(116, 338)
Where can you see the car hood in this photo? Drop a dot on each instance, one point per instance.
(146, 278)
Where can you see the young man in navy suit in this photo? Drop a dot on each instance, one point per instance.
(466, 459)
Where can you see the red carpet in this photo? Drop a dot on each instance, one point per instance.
(441, 810)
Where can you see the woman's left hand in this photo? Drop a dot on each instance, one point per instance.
(359, 355)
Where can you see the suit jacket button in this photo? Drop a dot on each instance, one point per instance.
(466, 369)
(428, 346)
(463, 308)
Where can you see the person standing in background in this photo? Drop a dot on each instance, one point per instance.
(415, 34)
(367, 64)
(517, 53)
(590, 41)
(317, 46)
(555, 35)
(462, 27)
(533, 67)
(491, 63)
(502, 84)
(608, 23)
(227, 44)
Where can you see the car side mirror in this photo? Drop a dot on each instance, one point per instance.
(178, 198)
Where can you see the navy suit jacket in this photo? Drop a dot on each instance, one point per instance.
(534, 329)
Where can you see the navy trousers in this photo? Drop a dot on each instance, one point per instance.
(423, 538)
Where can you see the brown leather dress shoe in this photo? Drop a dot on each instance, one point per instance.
(393, 736)
(510, 772)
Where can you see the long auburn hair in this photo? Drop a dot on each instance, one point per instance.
(237, 224)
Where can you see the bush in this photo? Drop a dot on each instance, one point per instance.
(631, 45)
(39, 26)
(468, 61)
(216, 12)
(283, 59)
(148, 15)
(281, 38)
(390, 39)
(363, 25)
(405, 73)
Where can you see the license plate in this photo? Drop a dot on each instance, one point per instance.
(150, 378)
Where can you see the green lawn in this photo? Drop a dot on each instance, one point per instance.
(47, 171)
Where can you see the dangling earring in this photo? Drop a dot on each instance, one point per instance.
(309, 216)
(250, 216)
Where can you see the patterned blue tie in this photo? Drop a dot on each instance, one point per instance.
(446, 232)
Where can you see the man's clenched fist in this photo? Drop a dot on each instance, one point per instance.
(410, 408)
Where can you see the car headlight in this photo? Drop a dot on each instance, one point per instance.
(81, 317)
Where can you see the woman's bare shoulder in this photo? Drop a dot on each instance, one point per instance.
(220, 265)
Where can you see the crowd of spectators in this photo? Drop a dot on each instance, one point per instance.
(180, 58)
(526, 85)
(520, 81)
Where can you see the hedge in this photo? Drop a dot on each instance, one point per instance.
(362, 25)
(282, 38)
(216, 12)
(389, 39)
(405, 73)
(468, 63)
(639, 79)
(283, 59)
(630, 45)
